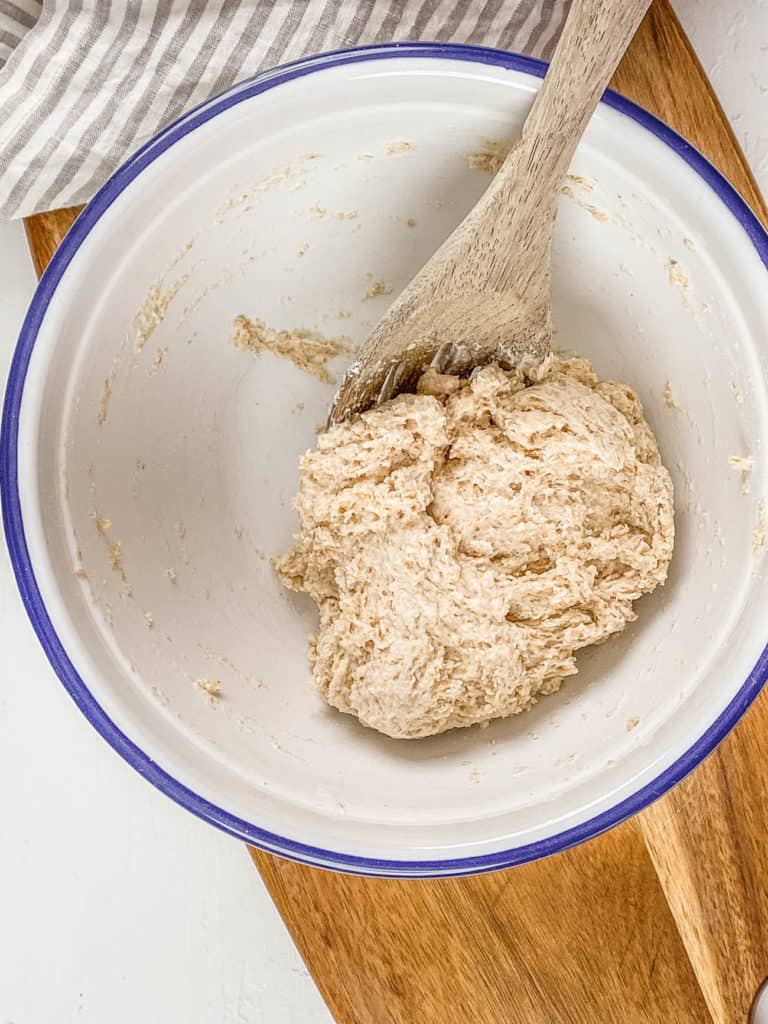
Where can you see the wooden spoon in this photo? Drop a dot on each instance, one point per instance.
(485, 294)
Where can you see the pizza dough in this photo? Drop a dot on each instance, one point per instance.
(464, 542)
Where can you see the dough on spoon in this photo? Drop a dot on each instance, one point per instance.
(464, 542)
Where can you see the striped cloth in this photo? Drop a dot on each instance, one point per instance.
(85, 82)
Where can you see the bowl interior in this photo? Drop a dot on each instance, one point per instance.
(158, 461)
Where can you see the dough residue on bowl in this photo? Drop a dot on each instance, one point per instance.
(211, 687)
(463, 543)
(743, 465)
(378, 288)
(669, 398)
(106, 395)
(491, 156)
(400, 146)
(152, 311)
(759, 531)
(677, 276)
(306, 349)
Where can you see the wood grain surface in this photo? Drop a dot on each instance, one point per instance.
(583, 938)
(664, 919)
(45, 232)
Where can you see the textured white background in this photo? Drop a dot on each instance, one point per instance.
(115, 905)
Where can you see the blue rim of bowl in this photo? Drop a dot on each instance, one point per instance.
(24, 571)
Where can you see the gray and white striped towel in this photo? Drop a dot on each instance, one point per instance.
(85, 82)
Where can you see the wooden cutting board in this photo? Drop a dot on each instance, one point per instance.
(663, 919)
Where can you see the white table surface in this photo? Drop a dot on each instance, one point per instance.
(116, 906)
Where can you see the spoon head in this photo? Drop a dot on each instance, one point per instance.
(453, 336)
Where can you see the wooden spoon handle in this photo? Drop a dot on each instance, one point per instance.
(519, 206)
(596, 36)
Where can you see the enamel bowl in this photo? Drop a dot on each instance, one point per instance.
(148, 464)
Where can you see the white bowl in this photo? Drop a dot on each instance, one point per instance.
(195, 463)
